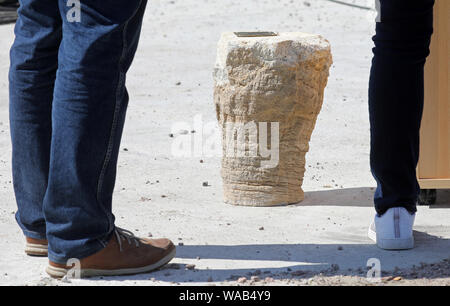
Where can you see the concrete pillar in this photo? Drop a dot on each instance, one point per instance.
(268, 93)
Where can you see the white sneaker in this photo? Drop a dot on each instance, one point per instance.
(393, 230)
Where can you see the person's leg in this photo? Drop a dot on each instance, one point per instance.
(89, 105)
(34, 60)
(396, 95)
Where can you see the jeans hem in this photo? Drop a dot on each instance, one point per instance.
(85, 253)
(28, 233)
(412, 208)
(34, 235)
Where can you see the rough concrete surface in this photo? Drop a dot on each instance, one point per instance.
(320, 241)
(272, 89)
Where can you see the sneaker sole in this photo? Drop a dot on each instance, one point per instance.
(391, 244)
(396, 244)
(61, 272)
(36, 250)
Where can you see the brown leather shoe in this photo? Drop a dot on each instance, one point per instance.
(36, 247)
(125, 254)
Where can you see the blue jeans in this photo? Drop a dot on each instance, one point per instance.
(67, 110)
(396, 97)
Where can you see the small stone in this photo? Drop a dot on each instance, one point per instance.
(398, 278)
(242, 280)
(180, 243)
(261, 228)
(205, 184)
(298, 273)
(190, 267)
(255, 279)
(173, 266)
(178, 83)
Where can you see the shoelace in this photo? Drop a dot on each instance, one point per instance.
(123, 234)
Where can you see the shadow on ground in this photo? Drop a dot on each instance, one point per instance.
(358, 197)
(298, 261)
(353, 197)
(443, 199)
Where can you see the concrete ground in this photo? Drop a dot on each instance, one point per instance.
(319, 241)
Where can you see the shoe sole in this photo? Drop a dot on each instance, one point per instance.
(61, 272)
(396, 244)
(38, 250)
(391, 244)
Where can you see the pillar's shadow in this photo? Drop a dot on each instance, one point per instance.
(359, 197)
(354, 197)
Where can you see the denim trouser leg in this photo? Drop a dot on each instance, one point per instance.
(34, 60)
(87, 117)
(396, 95)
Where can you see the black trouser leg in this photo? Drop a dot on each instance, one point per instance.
(396, 94)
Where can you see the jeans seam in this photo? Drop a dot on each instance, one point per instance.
(118, 105)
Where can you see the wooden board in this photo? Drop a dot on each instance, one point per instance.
(434, 164)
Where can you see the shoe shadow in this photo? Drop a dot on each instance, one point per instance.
(291, 261)
(296, 261)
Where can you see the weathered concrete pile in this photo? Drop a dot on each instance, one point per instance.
(268, 94)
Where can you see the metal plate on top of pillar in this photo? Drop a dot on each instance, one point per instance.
(255, 34)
